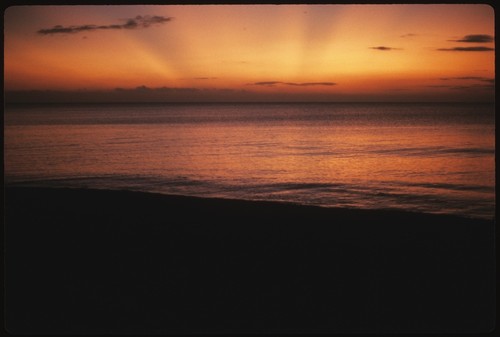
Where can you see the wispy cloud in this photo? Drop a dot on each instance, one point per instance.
(307, 84)
(144, 88)
(133, 23)
(298, 84)
(473, 78)
(204, 78)
(463, 87)
(467, 49)
(475, 38)
(266, 83)
(384, 48)
(484, 83)
(478, 38)
(408, 35)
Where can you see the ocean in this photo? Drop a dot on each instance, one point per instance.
(419, 157)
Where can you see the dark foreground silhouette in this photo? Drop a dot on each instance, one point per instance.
(88, 261)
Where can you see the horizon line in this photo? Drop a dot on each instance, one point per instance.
(251, 102)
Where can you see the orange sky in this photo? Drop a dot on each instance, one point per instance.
(252, 52)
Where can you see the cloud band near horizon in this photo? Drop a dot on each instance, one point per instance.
(300, 84)
(473, 78)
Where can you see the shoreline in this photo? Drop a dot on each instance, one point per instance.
(100, 261)
(380, 212)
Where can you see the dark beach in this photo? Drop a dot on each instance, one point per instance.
(96, 261)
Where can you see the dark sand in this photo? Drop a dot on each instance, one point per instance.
(87, 261)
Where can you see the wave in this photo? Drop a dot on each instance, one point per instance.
(388, 195)
(434, 151)
(456, 187)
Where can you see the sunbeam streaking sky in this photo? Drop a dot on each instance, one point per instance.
(250, 53)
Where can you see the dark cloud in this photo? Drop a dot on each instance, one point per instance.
(307, 84)
(145, 94)
(461, 78)
(266, 83)
(479, 38)
(303, 84)
(146, 89)
(466, 83)
(464, 87)
(483, 86)
(467, 49)
(134, 23)
(473, 78)
(384, 48)
(408, 35)
(140, 93)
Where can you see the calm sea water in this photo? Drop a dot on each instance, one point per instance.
(434, 158)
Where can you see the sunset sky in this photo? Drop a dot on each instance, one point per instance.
(250, 53)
